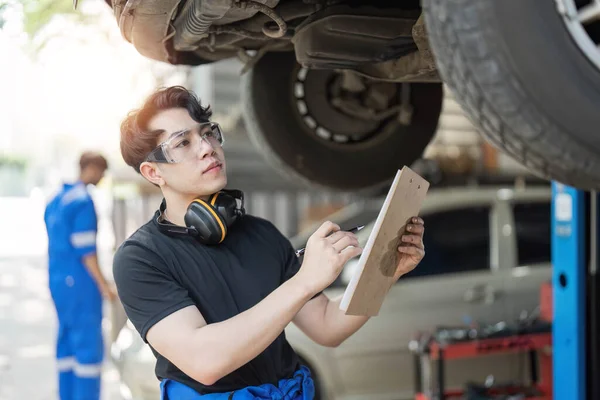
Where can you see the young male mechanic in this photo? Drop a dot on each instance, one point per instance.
(214, 314)
(76, 282)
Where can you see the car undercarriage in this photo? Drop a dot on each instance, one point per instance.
(340, 94)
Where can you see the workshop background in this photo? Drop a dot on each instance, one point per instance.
(485, 214)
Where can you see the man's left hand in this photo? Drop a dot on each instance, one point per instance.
(411, 250)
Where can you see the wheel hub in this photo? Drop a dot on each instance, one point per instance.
(582, 18)
(342, 107)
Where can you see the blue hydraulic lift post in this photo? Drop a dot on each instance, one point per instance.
(568, 282)
(593, 347)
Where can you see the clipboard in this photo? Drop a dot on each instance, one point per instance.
(374, 276)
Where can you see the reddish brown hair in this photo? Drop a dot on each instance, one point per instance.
(136, 141)
(92, 158)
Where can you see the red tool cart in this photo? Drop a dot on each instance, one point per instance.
(533, 341)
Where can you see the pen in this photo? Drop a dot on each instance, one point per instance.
(353, 230)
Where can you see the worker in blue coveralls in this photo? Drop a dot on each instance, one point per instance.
(76, 283)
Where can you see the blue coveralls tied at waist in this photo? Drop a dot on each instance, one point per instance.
(298, 387)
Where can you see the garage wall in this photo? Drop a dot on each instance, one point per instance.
(454, 129)
(458, 137)
(218, 84)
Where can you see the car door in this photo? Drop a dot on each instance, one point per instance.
(531, 219)
(448, 288)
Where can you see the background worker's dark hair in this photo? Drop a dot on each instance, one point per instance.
(136, 141)
(92, 158)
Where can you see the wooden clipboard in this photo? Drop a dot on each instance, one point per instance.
(373, 278)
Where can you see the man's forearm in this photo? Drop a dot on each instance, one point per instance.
(91, 263)
(226, 346)
(338, 325)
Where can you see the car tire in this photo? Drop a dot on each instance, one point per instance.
(521, 77)
(284, 135)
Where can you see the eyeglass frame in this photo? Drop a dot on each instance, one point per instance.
(158, 154)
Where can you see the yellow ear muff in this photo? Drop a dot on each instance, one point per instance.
(214, 214)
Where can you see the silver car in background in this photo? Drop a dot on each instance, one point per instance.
(487, 253)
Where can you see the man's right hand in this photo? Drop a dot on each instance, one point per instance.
(109, 292)
(327, 251)
(107, 289)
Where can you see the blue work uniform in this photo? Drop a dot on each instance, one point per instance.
(299, 387)
(71, 224)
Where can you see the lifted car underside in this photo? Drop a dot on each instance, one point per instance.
(341, 93)
(385, 40)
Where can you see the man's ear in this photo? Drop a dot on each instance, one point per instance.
(151, 172)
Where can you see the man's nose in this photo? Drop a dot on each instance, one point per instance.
(206, 149)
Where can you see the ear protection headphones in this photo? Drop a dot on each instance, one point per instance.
(207, 221)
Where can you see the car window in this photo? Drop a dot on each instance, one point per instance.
(455, 240)
(532, 228)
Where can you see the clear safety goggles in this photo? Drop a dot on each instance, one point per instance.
(184, 145)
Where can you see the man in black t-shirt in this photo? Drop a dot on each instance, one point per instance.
(214, 314)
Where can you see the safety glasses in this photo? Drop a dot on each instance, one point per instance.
(183, 145)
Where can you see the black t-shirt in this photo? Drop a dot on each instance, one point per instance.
(157, 274)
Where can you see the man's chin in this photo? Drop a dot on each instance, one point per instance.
(222, 186)
(216, 184)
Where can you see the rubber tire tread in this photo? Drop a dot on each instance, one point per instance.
(473, 60)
